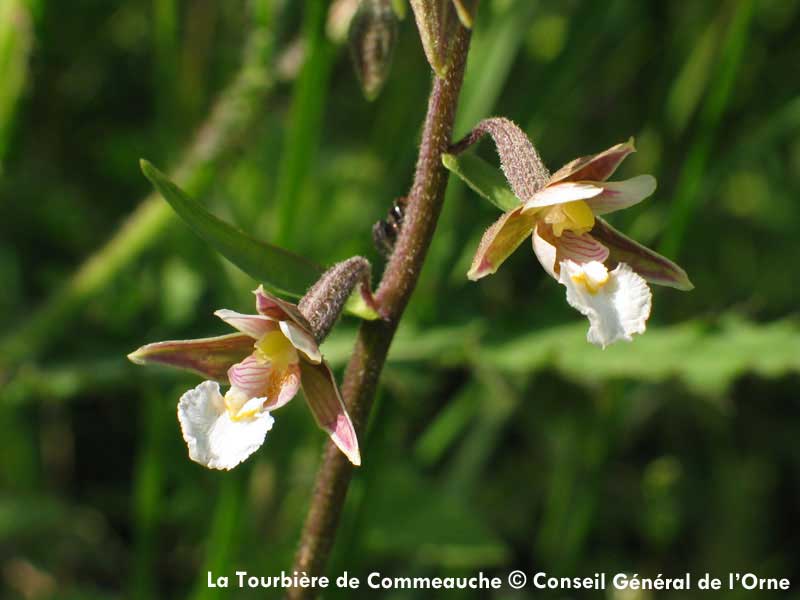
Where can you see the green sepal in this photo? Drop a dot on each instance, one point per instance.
(486, 180)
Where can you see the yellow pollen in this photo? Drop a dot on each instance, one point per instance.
(276, 348)
(575, 216)
(591, 284)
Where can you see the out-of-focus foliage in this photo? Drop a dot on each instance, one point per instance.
(500, 438)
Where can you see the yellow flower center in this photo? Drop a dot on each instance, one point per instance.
(235, 402)
(276, 348)
(591, 278)
(575, 216)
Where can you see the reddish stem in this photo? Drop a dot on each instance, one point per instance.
(374, 337)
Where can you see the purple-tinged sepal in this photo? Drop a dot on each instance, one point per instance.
(208, 357)
(595, 167)
(647, 263)
(327, 406)
(500, 241)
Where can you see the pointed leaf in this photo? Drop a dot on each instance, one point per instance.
(278, 269)
(484, 179)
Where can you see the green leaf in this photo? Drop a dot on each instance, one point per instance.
(279, 270)
(708, 358)
(483, 178)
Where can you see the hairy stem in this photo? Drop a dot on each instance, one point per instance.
(374, 337)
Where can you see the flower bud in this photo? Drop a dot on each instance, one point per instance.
(324, 302)
(519, 160)
(438, 21)
(373, 36)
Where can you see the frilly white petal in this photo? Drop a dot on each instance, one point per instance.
(214, 440)
(617, 307)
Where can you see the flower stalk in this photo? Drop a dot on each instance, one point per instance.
(374, 337)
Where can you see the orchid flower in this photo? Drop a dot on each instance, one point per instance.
(605, 273)
(266, 363)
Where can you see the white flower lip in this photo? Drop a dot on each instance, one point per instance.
(617, 303)
(214, 439)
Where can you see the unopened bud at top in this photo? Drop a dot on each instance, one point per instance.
(373, 36)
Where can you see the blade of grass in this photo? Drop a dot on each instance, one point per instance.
(166, 58)
(225, 530)
(303, 132)
(687, 199)
(16, 42)
(687, 90)
(147, 495)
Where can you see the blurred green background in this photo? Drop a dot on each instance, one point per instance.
(500, 439)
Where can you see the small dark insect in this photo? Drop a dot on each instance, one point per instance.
(384, 233)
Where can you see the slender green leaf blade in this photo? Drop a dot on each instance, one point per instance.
(483, 178)
(279, 270)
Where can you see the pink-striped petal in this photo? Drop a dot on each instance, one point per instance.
(622, 194)
(580, 248)
(552, 250)
(251, 376)
(327, 406)
(208, 357)
(253, 325)
(499, 241)
(302, 340)
(561, 193)
(256, 378)
(596, 167)
(647, 263)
